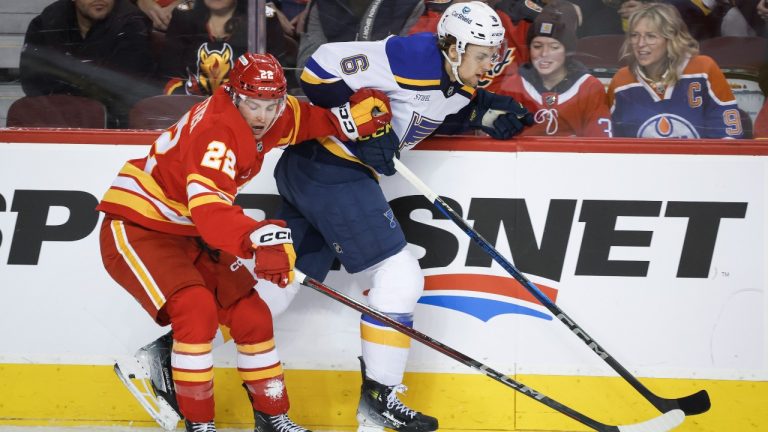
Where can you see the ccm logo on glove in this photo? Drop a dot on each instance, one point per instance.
(367, 111)
(281, 236)
(275, 256)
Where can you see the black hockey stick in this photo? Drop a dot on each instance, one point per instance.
(696, 403)
(665, 422)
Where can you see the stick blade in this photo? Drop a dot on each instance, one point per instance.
(136, 379)
(665, 422)
(696, 403)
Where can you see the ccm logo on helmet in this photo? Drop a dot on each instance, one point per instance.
(280, 235)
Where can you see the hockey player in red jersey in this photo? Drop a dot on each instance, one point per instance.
(564, 98)
(172, 234)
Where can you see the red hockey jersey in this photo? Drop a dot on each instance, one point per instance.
(188, 182)
(576, 107)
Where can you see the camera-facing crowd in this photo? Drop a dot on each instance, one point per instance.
(119, 52)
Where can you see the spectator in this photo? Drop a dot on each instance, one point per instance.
(93, 48)
(668, 90)
(563, 97)
(600, 17)
(159, 11)
(702, 17)
(202, 44)
(349, 20)
(427, 22)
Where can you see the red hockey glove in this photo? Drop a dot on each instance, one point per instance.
(275, 256)
(367, 111)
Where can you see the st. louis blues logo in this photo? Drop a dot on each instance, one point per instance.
(390, 215)
(419, 128)
(484, 296)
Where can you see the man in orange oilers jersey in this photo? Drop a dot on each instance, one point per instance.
(172, 234)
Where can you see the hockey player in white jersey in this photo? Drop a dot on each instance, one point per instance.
(331, 195)
(332, 200)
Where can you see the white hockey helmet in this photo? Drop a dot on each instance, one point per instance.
(470, 23)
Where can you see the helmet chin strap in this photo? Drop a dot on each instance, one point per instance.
(455, 64)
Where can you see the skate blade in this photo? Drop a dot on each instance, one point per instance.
(136, 380)
(365, 425)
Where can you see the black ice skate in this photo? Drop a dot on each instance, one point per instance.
(379, 407)
(147, 376)
(199, 427)
(276, 423)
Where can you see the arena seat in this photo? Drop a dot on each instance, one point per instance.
(160, 112)
(600, 54)
(59, 111)
(740, 58)
(736, 54)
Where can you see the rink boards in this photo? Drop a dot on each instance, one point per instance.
(656, 249)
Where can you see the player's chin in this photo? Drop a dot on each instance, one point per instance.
(258, 131)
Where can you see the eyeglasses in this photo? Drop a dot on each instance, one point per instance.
(636, 38)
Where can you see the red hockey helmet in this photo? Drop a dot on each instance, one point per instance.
(258, 76)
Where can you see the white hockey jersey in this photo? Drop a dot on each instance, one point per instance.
(408, 69)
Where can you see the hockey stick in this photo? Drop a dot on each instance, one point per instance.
(696, 403)
(666, 421)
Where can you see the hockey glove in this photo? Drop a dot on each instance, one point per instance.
(501, 117)
(378, 149)
(367, 111)
(275, 256)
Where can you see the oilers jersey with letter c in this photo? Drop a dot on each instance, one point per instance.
(409, 70)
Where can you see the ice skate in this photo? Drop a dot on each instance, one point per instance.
(380, 408)
(199, 427)
(276, 423)
(147, 376)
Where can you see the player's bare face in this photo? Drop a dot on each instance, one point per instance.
(649, 47)
(476, 62)
(260, 113)
(548, 57)
(94, 10)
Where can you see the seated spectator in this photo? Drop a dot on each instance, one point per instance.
(97, 49)
(427, 22)
(564, 98)
(202, 44)
(668, 90)
(702, 17)
(349, 20)
(516, 17)
(159, 11)
(599, 17)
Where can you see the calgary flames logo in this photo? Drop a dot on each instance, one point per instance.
(213, 66)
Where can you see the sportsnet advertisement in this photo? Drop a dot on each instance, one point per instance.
(658, 257)
(656, 250)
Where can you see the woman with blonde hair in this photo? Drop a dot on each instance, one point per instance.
(668, 90)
